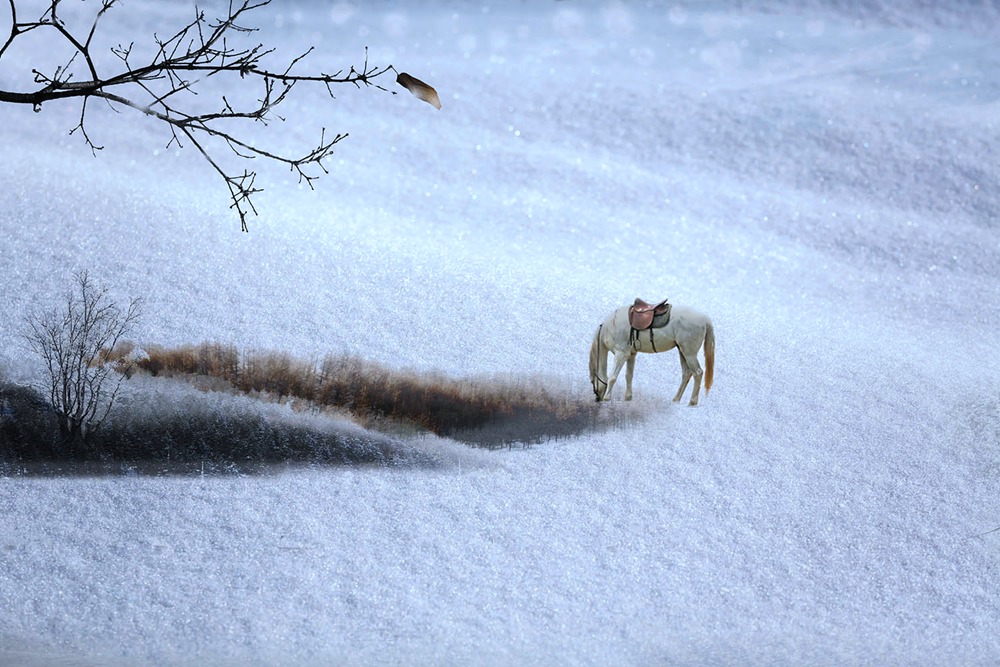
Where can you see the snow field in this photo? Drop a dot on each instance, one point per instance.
(815, 179)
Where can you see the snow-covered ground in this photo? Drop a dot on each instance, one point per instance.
(820, 179)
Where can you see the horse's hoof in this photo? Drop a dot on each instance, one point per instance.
(693, 404)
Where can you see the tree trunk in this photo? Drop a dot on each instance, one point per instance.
(73, 437)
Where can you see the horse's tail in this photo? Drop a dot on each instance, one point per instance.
(709, 355)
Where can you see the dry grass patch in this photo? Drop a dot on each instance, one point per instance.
(481, 411)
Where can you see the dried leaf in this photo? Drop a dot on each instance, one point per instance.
(419, 89)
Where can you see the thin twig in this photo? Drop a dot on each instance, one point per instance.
(988, 532)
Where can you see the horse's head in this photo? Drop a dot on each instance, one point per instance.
(600, 386)
(596, 352)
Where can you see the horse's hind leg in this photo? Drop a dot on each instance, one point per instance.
(691, 359)
(629, 372)
(621, 357)
(685, 376)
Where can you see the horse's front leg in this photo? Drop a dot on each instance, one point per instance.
(621, 357)
(629, 372)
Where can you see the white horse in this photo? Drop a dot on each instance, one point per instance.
(687, 330)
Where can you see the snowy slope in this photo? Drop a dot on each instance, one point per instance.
(820, 179)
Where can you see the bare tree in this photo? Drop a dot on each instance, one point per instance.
(164, 86)
(74, 341)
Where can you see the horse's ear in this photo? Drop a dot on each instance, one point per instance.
(420, 89)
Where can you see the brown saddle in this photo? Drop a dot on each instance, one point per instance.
(642, 314)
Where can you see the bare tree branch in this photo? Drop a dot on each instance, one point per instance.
(162, 87)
